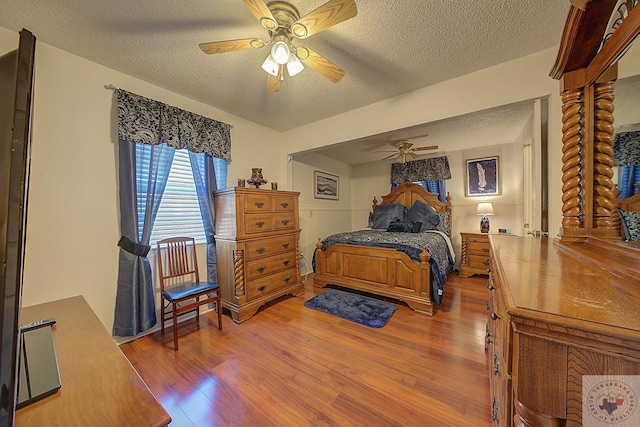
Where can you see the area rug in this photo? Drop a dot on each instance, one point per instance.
(356, 308)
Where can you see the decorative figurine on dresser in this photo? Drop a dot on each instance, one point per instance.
(257, 234)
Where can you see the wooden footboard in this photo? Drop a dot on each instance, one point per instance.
(380, 271)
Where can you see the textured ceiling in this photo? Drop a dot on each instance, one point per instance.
(389, 48)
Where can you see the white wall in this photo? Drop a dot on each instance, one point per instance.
(526, 78)
(320, 217)
(73, 220)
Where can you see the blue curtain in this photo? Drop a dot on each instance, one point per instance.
(154, 130)
(204, 176)
(628, 176)
(141, 190)
(438, 187)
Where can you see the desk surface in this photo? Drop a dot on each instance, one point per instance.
(99, 385)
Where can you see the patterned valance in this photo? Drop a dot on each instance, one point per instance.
(147, 121)
(433, 169)
(626, 148)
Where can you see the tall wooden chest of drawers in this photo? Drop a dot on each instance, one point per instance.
(257, 234)
(474, 254)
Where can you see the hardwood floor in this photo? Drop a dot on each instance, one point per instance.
(293, 366)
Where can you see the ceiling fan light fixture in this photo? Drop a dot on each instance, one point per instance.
(294, 66)
(271, 66)
(281, 52)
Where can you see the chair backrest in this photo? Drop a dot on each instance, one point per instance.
(177, 261)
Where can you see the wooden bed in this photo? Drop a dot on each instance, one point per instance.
(383, 271)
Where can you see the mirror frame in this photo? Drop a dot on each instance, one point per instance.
(587, 74)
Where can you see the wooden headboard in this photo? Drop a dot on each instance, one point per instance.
(631, 204)
(407, 194)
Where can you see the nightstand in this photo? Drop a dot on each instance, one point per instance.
(474, 251)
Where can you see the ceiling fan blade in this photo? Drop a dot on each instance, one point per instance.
(231, 45)
(274, 82)
(430, 147)
(261, 11)
(329, 14)
(389, 157)
(320, 64)
(413, 155)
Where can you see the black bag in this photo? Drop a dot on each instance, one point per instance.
(400, 226)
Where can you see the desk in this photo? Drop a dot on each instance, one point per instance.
(99, 385)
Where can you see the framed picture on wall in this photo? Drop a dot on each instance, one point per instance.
(326, 186)
(482, 177)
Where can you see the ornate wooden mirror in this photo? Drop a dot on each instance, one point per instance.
(597, 34)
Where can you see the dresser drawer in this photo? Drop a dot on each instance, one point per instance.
(268, 247)
(284, 204)
(284, 221)
(271, 283)
(258, 223)
(264, 266)
(477, 247)
(254, 203)
(479, 261)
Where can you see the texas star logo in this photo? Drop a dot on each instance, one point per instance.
(611, 401)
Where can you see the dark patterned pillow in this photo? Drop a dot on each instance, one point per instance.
(445, 219)
(424, 213)
(384, 214)
(631, 225)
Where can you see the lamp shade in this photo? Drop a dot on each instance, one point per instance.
(271, 66)
(294, 66)
(280, 52)
(485, 208)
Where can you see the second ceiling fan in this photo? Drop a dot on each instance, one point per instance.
(284, 24)
(405, 151)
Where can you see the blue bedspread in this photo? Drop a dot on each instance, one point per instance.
(411, 244)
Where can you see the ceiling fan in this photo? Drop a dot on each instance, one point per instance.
(284, 24)
(405, 151)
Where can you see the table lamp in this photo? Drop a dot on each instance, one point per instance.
(485, 209)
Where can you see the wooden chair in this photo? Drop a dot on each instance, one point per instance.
(180, 283)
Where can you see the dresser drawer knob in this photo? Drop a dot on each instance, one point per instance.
(285, 245)
(262, 288)
(496, 364)
(488, 339)
(285, 262)
(260, 224)
(284, 204)
(486, 261)
(490, 285)
(495, 415)
(286, 279)
(494, 316)
(285, 221)
(259, 205)
(485, 249)
(259, 250)
(260, 269)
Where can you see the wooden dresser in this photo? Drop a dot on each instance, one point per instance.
(474, 254)
(257, 234)
(99, 385)
(554, 318)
